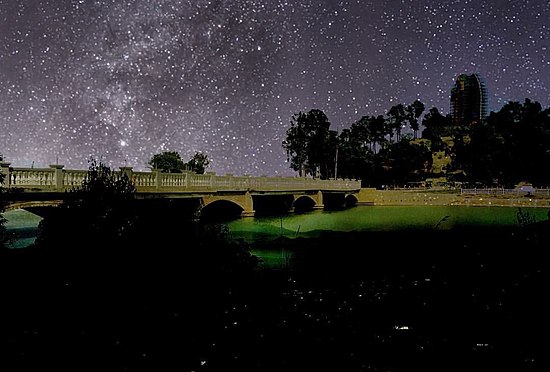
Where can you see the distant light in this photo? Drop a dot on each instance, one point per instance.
(123, 143)
(401, 328)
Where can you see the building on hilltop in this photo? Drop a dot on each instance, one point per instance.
(468, 100)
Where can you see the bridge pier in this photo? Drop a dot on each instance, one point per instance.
(248, 210)
(319, 201)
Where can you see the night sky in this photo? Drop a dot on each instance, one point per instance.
(120, 80)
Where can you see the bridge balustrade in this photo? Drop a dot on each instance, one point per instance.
(241, 183)
(173, 180)
(58, 179)
(144, 179)
(40, 178)
(73, 178)
(502, 191)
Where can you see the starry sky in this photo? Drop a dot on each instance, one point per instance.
(121, 80)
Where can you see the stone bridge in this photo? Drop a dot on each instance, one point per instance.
(45, 187)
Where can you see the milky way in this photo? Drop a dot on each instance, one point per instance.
(121, 80)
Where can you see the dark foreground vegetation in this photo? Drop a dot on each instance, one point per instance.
(416, 300)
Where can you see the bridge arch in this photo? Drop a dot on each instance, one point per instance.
(219, 210)
(304, 203)
(227, 205)
(351, 200)
(40, 208)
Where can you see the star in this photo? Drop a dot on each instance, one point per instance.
(125, 79)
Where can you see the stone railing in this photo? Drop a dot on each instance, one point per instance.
(57, 179)
(501, 191)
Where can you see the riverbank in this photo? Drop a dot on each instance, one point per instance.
(433, 197)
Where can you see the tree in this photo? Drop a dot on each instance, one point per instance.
(414, 111)
(512, 145)
(355, 159)
(103, 185)
(198, 163)
(363, 132)
(435, 126)
(396, 117)
(404, 161)
(378, 132)
(308, 143)
(98, 213)
(168, 162)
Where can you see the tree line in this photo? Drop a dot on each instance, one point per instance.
(509, 146)
(171, 162)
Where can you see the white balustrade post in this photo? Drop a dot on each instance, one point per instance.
(186, 179)
(211, 179)
(158, 178)
(5, 170)
(58, 176)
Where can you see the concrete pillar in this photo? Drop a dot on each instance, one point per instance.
(319, 201)
(158, 179)
(5, 170)
(186, 174)
(248, 206)
(58, 176)
(211, 179)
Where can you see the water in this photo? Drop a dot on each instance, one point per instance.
(377, 218)
(369, 218)
(361, 218)
(24, 225)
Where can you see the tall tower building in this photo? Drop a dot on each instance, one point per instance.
(468, 100)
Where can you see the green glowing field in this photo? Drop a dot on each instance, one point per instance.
(379, 218)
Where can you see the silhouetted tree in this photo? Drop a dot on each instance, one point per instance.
(512, 145)
(396, 117)
(308, 143)
(436, 126)
(362, 132)
(198, 163)
(404, 162)
(168, 161)
(378, 132)
(100, 212)
(369, 131)
(355, 158)
(414, 111)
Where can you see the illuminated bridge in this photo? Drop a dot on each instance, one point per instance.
(33, 188)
